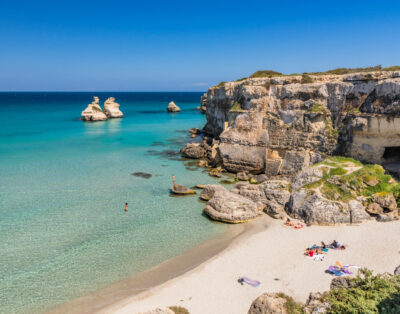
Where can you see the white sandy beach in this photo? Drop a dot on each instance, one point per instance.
(275, 257)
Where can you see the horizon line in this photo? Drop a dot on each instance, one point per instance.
(89, 91)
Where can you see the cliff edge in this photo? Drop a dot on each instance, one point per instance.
(280, 125)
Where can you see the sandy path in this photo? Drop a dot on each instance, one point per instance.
(275, 257)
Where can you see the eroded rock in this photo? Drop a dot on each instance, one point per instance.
(228, 207)
(268, 303)
(111, 108)
(93, 112)
(172, 107)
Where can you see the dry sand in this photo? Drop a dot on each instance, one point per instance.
(275, 257)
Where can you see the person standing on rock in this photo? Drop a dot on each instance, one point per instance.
(173, 180)
(126, 207)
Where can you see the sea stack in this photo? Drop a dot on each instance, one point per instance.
(172, 107)
(111, 108)
(93, 112)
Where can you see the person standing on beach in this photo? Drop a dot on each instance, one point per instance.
(126, 207)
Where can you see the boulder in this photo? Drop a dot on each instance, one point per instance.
(93, 112)
(228, 207)
(277, 196)
(386, 201)
(313, 208)
(374, 209)
(111, 108)
(193, 150)
(268, 303)
(271, 195)
(195, 131)
(172, 107)
(260, 178)
(242, 176)
(209, 190)
(181, 190)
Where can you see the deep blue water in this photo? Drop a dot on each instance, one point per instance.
(63, 184)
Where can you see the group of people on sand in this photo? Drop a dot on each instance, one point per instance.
(323, 248)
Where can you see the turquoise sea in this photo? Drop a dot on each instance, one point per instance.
(63, 185)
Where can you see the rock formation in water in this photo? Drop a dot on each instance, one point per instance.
(172, 107)
(281, 125)
(93, 111)
(111, 108)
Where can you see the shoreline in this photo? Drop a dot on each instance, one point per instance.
(114, 296)
(275, 257)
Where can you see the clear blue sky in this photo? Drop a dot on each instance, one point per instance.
(186, 45)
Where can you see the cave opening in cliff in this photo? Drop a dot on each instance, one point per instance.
(392, 154)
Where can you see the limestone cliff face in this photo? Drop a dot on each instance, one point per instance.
(280, 125)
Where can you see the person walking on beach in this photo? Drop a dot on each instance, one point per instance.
(126, 207)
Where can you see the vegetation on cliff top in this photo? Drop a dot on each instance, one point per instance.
(346, 179)
(306, 79)
(368, 294)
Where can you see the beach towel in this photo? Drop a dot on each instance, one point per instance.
(335, 271)
(250, 282)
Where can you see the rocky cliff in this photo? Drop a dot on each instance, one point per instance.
(280, 125)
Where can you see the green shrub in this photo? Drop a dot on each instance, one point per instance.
(392, 68)
(95, 108)
(266, 73)
(369, 294)
(306, 79)
(317, 108)
(178, 309)
(236, 106)
(220, 84)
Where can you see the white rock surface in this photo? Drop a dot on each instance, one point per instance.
(111, 108)
(93, 112)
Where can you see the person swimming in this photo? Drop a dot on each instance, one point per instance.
(126, 207)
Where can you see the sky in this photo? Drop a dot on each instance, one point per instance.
(186, 45)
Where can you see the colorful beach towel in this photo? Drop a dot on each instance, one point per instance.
(251, 282)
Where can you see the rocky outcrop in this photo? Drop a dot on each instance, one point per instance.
(111, 108)
(271, 195)
(342, 190)
(172, 107)
(181, 189)
(209, 190)
(281, 125)
(229, 207)
(274, 303)
(93, 112)
(193, 150)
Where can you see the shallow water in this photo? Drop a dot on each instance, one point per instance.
(64, 182)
